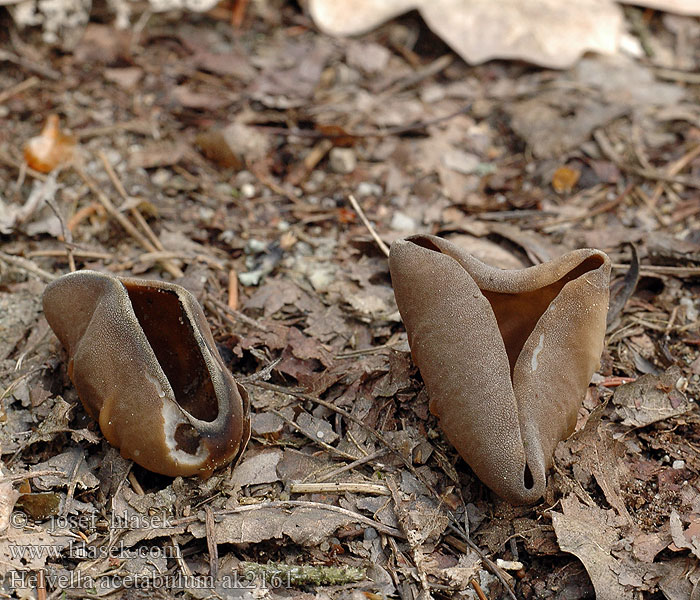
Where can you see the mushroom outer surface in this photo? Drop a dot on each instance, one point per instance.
(145, 366)
(506, 355)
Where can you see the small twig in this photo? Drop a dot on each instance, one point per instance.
(26, 265)
(211, 543)
(268, 182)
(29, 65)
(66, 233)
(690, 77)
(379, 133)
(263, 374)
(477, 588)
(306, 434)
(232, 290)
(30, 474)
(22, 86)
(41, 585)
(358, 209)
(6, 159)
(184, 567)
(597, 210)
(651, 174)
(373, 489)
(411, 537)
(662, 270)
(88, 254)
(135, 212)
(435, 67)
(72, 484)
(237, 315)
(624, 293)
(136, 486)
(353, 465)
(364, 351)
(122, 220)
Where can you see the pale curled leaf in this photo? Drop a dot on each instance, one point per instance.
(545, 32)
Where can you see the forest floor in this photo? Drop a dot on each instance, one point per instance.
(240, 147)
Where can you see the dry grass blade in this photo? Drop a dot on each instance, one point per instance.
(123, 221)
(358, 209)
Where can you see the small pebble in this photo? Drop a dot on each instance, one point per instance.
(160, 177)
(509, 565)
(678, 464)
(402, 222)
(248, 190)
(255, 246)
(342, 160)
(365, 188)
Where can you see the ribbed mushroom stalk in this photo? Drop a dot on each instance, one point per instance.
(506, 355)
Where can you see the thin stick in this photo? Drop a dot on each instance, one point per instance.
(353, 465)
(651, 174)
(477, 589)
(232, 289)
(136, 486)
(6, 159)
(235, 314)
(135, 212)
(26, 265)
(663, 270)
(373, 489)
(22, 86)
(306, 434)
(89, 254)
(413, 540)
(123, 221)
(211, 543)
(30, 474)
(67, 235)
(358, 209)
(379, 133)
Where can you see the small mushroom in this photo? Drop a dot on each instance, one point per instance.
(145, 366)
(506, 355)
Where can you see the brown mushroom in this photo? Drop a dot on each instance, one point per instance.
(506, 355)
(145, 366)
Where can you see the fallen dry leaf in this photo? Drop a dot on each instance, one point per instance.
(545, 32)
(257, 469)
(685, 538)
(589, 533)
(307, 526)
(650, 399)
(51, 148)
(564, 179)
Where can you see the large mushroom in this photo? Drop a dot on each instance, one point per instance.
(506, 355)
(145, 366)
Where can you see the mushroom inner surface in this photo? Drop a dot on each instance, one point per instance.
(170, 334)
(517, 314)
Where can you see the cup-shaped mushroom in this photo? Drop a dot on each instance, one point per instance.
(146, 367)
(506, 355)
